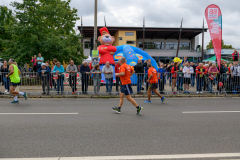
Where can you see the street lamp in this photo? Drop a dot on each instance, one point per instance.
(95, 26)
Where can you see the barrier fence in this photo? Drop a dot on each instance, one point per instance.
(168, 83)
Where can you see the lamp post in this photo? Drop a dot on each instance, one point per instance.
(95, 26)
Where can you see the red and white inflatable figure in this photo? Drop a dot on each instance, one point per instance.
(106, 50)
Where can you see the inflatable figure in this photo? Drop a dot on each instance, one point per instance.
(132, 54)
(106, 50)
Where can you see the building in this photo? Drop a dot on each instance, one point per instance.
(226, 53)
(160, 43)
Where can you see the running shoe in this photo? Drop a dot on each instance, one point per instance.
(188, 92)
(15, 102)
(163, 99)
(117, 110)
(185, 92)
(147, 101)
(174, 92)
(25, 95)
(139, 110)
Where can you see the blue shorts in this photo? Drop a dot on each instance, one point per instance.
(126, 89)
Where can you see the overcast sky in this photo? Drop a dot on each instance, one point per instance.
(159, 13)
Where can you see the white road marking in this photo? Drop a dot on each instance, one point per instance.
(176, 156)
(212, 112)
(38, 113)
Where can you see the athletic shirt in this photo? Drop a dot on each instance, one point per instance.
(15, 76)
(127, 70)
(152, 71)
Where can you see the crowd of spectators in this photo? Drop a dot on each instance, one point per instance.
(181, 77)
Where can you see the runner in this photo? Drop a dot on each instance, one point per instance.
(15, 80)
(152, 79)
(125, 73)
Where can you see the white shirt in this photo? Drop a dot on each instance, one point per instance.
(186, 70)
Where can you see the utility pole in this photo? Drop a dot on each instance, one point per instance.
(105, 21)
(143, 33)
(95, 26)
(202, 39)
(180, 34)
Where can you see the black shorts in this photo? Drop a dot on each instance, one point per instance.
(186, 80)
(126, 89)
(14, 84)
(153, 86)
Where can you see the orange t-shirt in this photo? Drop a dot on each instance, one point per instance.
(127, 70)
(152, 71)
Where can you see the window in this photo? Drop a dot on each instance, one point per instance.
(87, 44)
(174, 45)
(129, 34)
(120, 38)
(130, 42)
(152, 45)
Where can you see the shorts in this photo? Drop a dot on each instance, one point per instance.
(153, 86)
(126, 89)
(14, 84)
(187, 80)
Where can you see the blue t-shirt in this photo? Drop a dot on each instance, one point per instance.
(162, 71)
(38, 58)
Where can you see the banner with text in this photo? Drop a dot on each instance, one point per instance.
(214, 19)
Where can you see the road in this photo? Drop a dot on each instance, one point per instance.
(88, 127)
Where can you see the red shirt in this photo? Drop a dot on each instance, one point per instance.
(104, 51)
(117, 68)
(152, 71)
(127, 70)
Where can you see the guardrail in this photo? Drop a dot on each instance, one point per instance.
(87, 84)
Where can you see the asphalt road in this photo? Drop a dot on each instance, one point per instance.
(88, 127)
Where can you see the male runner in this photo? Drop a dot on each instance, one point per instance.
(125, 73)
(152, 79)
(15, 80)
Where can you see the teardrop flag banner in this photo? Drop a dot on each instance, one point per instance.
(214, 19)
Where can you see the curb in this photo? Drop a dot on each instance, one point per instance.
(115, 96)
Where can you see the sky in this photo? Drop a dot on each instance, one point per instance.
(159, 13)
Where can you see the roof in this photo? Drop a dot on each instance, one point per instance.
(150, 32)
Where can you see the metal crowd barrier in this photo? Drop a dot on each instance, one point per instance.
(168, 83)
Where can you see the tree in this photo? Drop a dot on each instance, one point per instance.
(45, 27)
(7, 20)
(224, 46)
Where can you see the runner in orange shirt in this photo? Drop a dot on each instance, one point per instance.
(125, 73)
(153, 80)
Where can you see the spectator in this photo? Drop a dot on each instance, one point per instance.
(59, 70)
(72, 70)
(40, 60)
(174, 71)
(54, 82)
(6, 81)
(222, 77)
(139, 70)
(234, 70)
(34, 63)
(108, 73)
(213, 71)
(97, 77)
(184, 60)
(235, 55)
(205, 80)
(180, 77)
(162, 74)
(146, 75)
(187, 70)
(118, 82)
(201, 71)
(85, 71)
(169, 76)
(44, 74)
(193, 76)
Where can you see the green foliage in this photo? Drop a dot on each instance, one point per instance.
(45, 27)
(224, 46)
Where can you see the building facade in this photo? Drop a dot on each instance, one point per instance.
(160, 43)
